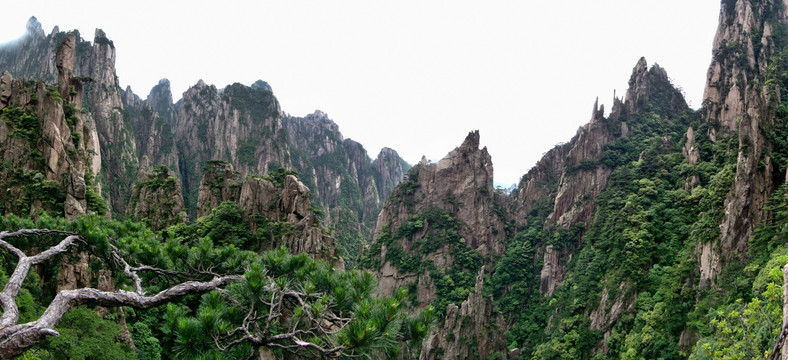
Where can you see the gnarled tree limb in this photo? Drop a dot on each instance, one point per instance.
(16, 338)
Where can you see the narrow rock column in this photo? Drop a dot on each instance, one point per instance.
(785, 307)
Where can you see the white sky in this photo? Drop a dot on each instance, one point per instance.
(415, 76)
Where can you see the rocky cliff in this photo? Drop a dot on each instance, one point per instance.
(470, 331)
(571, 176)
(277, 204)
(442, 220)
(47, 144)
(157, 199)
(153, 123)
(737, 99)
(34, 56)
(348, 185)
(240, 125)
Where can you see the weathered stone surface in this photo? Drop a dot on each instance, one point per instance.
(106, 107)
(258, 196)
(348, 186)
(735, 98)
(461, 184)
(157, 197)
(154, 136)
(220, 183)
(240, 125)
(391, 168)
(55, 148)
(552, 271)
(471, 331)
(645, 85)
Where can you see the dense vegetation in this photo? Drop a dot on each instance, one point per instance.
(280, 295)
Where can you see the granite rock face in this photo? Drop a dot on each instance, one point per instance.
(157, 197)
(570, 177)
(472, 330)
(264, 200)
(348, 185)
(460, 187)
(736, 99)
(47, 142)
(240, 125)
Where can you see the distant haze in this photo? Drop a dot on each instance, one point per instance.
(415, 76)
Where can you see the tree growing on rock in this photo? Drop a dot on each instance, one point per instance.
(15, 338)
(219, 301)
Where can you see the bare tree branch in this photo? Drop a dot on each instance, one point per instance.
(11, 290)
(16, 338)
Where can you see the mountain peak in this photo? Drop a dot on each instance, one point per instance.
(652, 85)
(34, 27)
(261, 85)
(471, 141)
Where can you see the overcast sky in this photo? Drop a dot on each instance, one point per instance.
(415, 76)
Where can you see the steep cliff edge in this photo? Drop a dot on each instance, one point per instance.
(571, 176)
(34, 56)
(240, 125)
(437, 226)
(47, 145)
(740, 96)
(349, 187)
(470, 331)
(153, 124)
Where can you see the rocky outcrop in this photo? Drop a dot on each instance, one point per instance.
(553, 271)
(691, 153)
(160, 100)
(154, 138)
(389, 170)
(584, 177)
(570, 177)
(157, 197)
(103, 95)
(267, 203)
(652, 86)
(288, 203)
(93, 66)
(736, 100)
(460, 188)
(471, 331)
(33, 55)
(607, 314)
(348, 185)
(240, 125)
(462, 184)
(46, 146)
(220, 183)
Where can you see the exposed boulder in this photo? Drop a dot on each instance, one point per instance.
(220, 183)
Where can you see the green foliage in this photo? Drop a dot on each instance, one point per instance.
(148, 347)
(104, 41)
(740, 330)
(160, 179)
(85, 335)
(376, 326)
(277, 177)
(23, 123)
(246, 153)
(95, 202)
